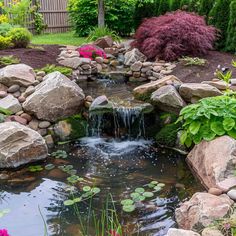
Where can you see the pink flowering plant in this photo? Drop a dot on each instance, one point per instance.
(3, 232)
(91, 52)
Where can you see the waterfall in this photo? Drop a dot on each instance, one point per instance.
(123, 122)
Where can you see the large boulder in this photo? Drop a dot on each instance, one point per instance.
(214, 162)
(194, 91)
(168, 99)
(143, 92)
(201, 210)
(133, 56)
(20, 74)
(20, 145)
(55, 98)
(181, 232)
(10, 103)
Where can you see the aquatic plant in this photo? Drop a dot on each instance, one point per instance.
(69, 169)
(59, 154)
(49, 167)
(35, 168)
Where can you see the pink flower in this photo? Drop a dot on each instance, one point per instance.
(91, 52)
(3, 232)
(113, 232)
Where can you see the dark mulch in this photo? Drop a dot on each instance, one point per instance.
(35, 57)
(196, 74)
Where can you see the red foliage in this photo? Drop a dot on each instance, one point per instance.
(173, 35)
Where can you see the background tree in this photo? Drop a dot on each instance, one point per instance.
(231, 31)
(101, 13)
(219, 17)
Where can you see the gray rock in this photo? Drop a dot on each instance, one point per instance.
(3, 94)
(136, 66)
(20, 74)
(73, 62)
(29, 91)
(55, 98)
(11, 103)
(44, 124)
(211, 232)
(181, 232)
(20, 145)
(101, 104)
(34, 124)
(14, 88)
(189, 90)
(232, 194)
(168, 99)
(133, 56)
(69, 54)
(104, 42)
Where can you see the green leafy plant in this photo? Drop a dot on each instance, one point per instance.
(52, 68)
(9, 60)
(193, 61)
(99, 32)
(3, 113)
(209, 118)
(20, 37)
(35, 168)
(5, 42)
(5, 28)
(59, 154)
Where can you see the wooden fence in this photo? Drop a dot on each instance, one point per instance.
(55, 15)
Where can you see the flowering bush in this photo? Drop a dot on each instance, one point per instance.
(174, 35)
(91, 51)
(3, 232)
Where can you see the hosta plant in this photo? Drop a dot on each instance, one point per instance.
(208, 119)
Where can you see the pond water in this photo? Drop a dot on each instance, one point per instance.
(35, 198)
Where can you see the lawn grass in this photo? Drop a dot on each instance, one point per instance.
(67, 38)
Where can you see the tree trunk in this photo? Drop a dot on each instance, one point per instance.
(101, 13)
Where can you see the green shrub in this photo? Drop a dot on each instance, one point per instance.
(205, 7)
(164, 7)
(168, 134)
(118, 16)
(52, 68)
(175, 5)
(5, 28)
(20, 37)
(209, 118)
(231, 31)
(8, 60)
(5, 42)
(99, 32)
(219, 17)
(145, 10)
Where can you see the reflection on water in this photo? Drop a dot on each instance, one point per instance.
(117, 168)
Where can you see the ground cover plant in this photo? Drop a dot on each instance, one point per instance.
(9, 60)
(52, 68)
(174, 35)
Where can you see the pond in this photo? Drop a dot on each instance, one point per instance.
(81, 180)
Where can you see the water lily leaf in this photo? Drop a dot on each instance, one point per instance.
(95, 190)
(139, 190)
(78, 199)
(127, 202)
(72, 172)
(151, 185)
(139, 198)
(148, 194)
(87, 194)
(68, 202)
(158, 188)
(128, 208)
(59, 154)
(86, 188)
(35, 168)
(134, 195)
(49, 167)
(161, 185)
(154, 182)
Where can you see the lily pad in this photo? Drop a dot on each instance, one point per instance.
(35, 168)
(95, 190)
(49, 167)
(148, 194)
(127, 202)
(59, 154)
(68, 202)
(86, 188)
(78, 199)
(161, 185)
(157, 188)
(154, 182)
(139, 190)
(128, 208)
(134, 195)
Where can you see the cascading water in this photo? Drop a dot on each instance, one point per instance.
(123, 122)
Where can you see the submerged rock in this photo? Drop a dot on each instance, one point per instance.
(201, 210)
(20, 145)
(19, 74)
(55, 98)
(214, 162)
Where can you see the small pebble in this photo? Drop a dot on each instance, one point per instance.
(232, 194)
(17, 94)
(3, 94)
(21, 99)
(215, 191)
(26, 116)
(34, 124)
(44, 124)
